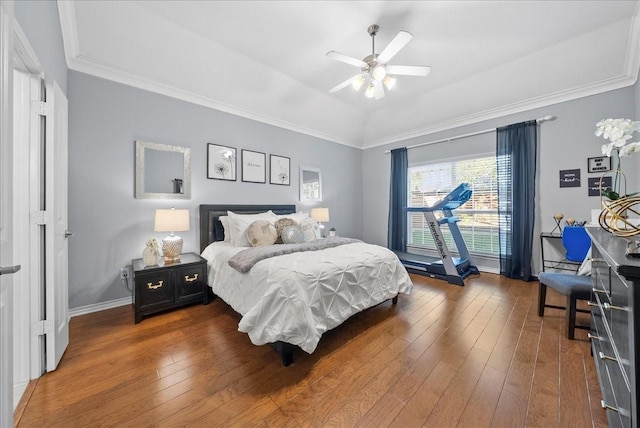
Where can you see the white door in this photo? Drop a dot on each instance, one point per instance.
(6, 225)
(56, 229)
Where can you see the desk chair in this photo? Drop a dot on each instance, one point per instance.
(575, 287)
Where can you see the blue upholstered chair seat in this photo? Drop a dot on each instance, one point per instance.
(575, 287)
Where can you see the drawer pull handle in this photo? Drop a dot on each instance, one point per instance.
(593, 337)
(615, 308)
(608, 407)
(597, 290)
(191, 278)
(153, 286)
(606, 357)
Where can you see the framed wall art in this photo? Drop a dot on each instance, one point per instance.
(570, 178)
(279, 170)
(599, 164)
(253, 167)
(594, 185)
(221, 162)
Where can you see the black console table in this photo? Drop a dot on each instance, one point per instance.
(549, 261)
(614, 326)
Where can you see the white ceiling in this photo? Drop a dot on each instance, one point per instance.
(266, 60)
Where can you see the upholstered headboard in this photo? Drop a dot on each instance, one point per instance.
(211, 228)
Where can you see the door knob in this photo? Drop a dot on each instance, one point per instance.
(9, 270)
(68, 234)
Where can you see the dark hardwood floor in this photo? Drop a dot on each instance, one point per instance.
(446, 356)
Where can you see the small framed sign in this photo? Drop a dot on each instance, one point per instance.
(599, 164)
(596, 184)
(570, 178)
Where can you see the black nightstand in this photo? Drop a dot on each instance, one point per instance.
(161, 287)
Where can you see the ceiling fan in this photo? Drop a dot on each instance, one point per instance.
(375, 69)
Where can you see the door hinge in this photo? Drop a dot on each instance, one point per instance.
(39, 328)
(41, 108)
(41, 217)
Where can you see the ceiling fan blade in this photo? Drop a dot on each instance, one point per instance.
(343, 84)
(394, 47)
(377, 84)
(408, 70)
(346, 59)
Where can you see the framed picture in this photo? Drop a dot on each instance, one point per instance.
(253, 167)
(594, 185)
(280, 170)
(221, 162)
(599, 164)
(570, 178)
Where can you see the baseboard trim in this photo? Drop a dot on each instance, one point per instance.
(97, 307)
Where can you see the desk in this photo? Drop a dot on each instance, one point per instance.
(554, 240)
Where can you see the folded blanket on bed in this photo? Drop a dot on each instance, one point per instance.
(245, 259)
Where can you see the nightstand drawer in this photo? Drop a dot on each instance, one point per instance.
(190, 282)
(154, 288)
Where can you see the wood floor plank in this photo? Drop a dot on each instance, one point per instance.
(446, 355)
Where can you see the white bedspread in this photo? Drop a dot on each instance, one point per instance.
(297, 297)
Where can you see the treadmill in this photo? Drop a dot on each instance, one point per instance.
(451, 269)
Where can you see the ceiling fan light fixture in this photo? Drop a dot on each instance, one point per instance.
(389, 82)
(370, 92)
(379, 72)
(357, 82)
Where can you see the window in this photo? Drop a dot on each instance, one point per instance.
(429, 183)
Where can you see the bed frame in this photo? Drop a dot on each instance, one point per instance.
(211, 230)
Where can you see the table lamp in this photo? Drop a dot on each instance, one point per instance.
(320, 215)
(172, 220)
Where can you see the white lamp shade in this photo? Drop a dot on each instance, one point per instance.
(320, 214)
(171, 220)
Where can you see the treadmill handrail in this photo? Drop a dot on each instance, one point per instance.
(453, 200)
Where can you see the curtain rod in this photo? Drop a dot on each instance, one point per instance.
(471, 134)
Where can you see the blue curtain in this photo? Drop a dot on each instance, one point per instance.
(516, 158)
(397, 237)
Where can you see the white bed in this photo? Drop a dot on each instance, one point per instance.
(295, 298)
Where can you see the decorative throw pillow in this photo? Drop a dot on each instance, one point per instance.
(261, 232)
(310, 229)
(239, 223)
(292, 235)
(280, 224)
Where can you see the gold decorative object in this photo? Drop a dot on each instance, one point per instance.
(558, 218)
(571, 221)
(614, 216)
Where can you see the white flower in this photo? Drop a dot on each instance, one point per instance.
(629, 149)
(618, 132)
(154, 245)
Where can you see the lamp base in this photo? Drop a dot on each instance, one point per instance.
(172, 248)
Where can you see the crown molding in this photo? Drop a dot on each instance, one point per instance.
(67, 15)
(95, 68)
(530, 104)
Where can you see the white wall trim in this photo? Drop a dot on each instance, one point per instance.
(544, 101)
(97, 307)
(95, 68)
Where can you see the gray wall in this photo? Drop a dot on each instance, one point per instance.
(564, 143)
(105, 118)
(41, 24)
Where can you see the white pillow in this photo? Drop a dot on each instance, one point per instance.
(225, 225)
(239, 223)
(297, 217)
(310, 229)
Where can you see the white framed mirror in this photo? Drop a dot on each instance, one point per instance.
(310, 184)
(162, 171)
